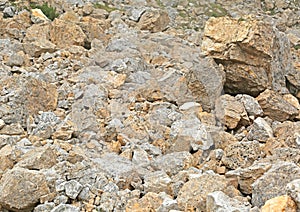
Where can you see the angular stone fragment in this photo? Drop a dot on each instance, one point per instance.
(21, 189)
(174, 162)
(6, 161)
(241, 154)
(280, 204)
(276, 107)
(273, 183)
(218, 201)
(293, 190)
(156, 182)
(191, 134)
(193, 193)
(247, 176)
(251, 105)
(230, 112)
(12, 129)
(206, 81)
(255, 55)
(38, 158)
(65, 208)
(154, 20)
(64, 33)
(72, 188)
(260, 130)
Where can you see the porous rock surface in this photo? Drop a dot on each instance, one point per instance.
(159, 105)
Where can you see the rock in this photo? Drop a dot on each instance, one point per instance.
(63, 34)
(223, 139)
(65, 208)
(154, 20)
(30, 96)
(276, 107)
(12, 129)
(37, 16)
(2, 124)
(252, 63)
(190, 134)
(156, 182)
(9, 12)
(230, 112)
(206, 87)
(273, 183)
(16, 59)
(6, 159)
(288, 133)
(72, 188)
(191, 196)
(241, 154)
(136, 13)
(38, 47)
(173, 163)
(260, 130)
(293, 189)
(218, 201)
(251, 105)
(44, 207)
(21, 189)
(280, 204)
(38, 158)
(151, 201)
(247, 176)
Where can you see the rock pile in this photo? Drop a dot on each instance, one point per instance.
(149, 105)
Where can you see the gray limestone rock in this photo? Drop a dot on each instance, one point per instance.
(44, 207)
(72, 188)
(65, 208)
(251, 105)
(260, 130)
(273, 183)
(293, 190)
(173, 163)
(156, 182)
(219, 202)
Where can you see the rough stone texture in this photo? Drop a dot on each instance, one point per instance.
(31, 96)
(293, 190)
(72, 188)
(63, 33)
(66, 208)
(154, 21)
(193, 194)
(273, 183)
(250, 51)
(260, 130)
(230, 112)
(174, 162)
(247, 176)
(280, 204)
(38, 158)
(276, 107)
(288, 133)
(241, 154)
(21, 189)
(218, 201)
(251, 105)
(157, 182)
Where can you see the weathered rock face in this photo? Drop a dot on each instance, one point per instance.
(31, 96)
(218, 201)
(21, 189)
(154, 21)
(273, 183)
(250, 51)
(193, 194)
(276, 107)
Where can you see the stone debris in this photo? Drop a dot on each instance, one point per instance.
(159, 105)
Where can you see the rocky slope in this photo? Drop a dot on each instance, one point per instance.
(153, 105)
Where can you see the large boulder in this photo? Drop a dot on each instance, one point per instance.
(21, 189)
(255, 55)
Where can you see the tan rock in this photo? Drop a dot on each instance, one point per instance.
(253, 53)
(230, 112)
(150, 202)
(63, 134)
(276, 107)
(280, 204)
(94, 28)
(38, 158)
(64, 33)
(6, 161)
(21, 189)
(154, 21)
(12, 129)
(193, 194)
(37, 16)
